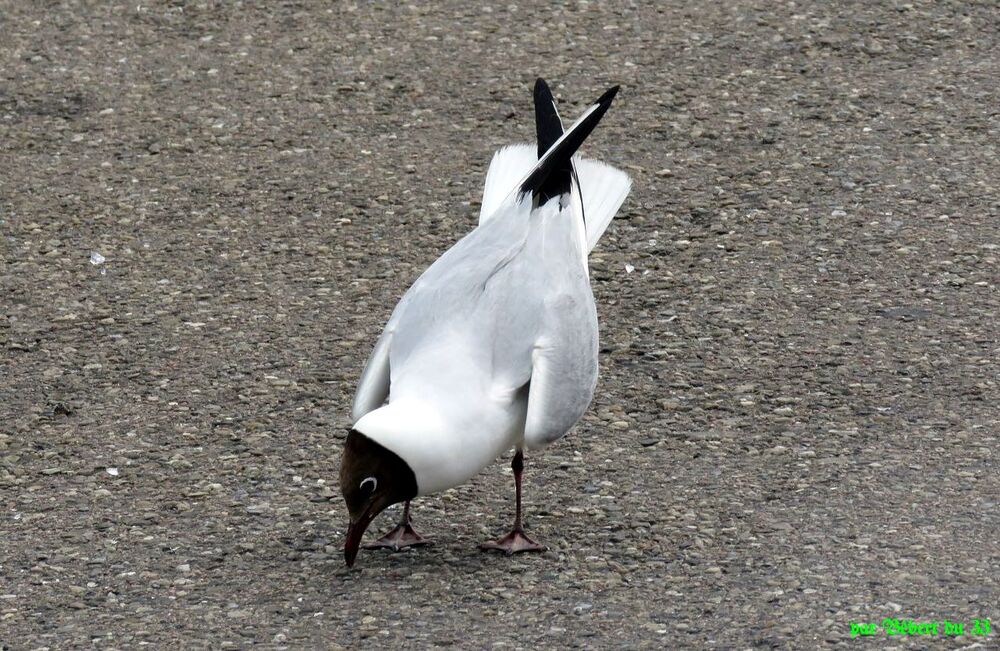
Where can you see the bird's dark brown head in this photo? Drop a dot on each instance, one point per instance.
(371, 478)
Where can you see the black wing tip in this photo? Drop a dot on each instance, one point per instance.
(548, 126)
(558, 164)
(544, 101)
(603, 103)
(544, 92)
(608, 95)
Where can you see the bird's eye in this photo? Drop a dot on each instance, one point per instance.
(368, 484)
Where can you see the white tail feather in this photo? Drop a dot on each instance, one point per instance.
(507, 169)
(603, 187)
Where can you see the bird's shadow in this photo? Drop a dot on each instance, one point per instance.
(459, 555)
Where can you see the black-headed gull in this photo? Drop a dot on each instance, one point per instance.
(494, 346)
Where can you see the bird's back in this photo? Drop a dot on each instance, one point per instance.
(469, 324)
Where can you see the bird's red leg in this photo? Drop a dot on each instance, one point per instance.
(516, 541)
(404, 535)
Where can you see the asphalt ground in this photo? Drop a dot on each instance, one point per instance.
(796, 424)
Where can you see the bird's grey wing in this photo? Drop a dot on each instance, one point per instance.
(451, 286)
(563, 369)
(373, 387)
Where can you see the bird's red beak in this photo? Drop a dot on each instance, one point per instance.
(355, 532)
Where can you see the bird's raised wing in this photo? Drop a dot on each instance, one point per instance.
(598, 190)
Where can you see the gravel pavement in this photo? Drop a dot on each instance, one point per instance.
(796, 426)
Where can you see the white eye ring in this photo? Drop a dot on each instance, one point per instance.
(366, 480)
